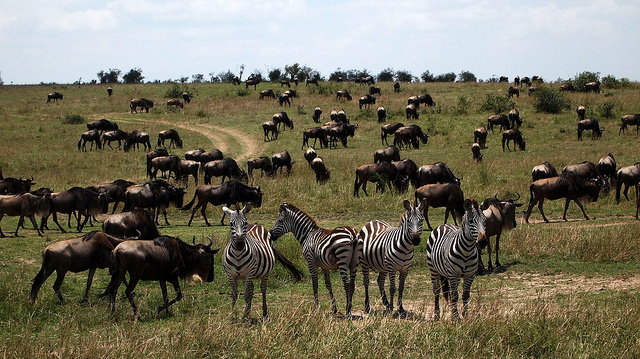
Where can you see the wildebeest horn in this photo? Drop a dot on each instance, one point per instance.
(210, 241)
(517, 198)
(194, 239)
(139, 234)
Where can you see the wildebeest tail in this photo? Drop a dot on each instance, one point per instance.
(79, 142)
(39, 279)
(190, 204)
(287, 263)
(114, 283)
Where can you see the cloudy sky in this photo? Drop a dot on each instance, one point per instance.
(65, 40)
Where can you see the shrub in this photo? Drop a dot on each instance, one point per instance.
(242, 92)
(606, 109)
(549, 100)
(176, 91)
(463, 105)
(584, 78)
(74, 119)
(496, 104)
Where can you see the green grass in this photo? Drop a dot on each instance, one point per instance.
(546, 301)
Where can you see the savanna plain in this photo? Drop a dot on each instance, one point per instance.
(565, 289)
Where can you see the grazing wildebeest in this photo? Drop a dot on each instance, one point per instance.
(110, 136)
(189, 167)
(410, 136)
(532, 89)
(283, 100)
(157, 195)
(389, 129)
(296, 80)
(627, 176)
(382, 114)
(567, 87)
(407, 174)
(270, 127)
(341, 116)
(165, 164)
(589, 124)
(438, 172)
(138, 222)
(396, 87)
(284, 82)
(114, 191)
(186, 97)
(341, 132)
(158, 152)
(475, 150)
(194, 155)
(516, 81)
(343, 94)
(391, 153)
(320, 169)
(310, 154)
(503, 79)
(480, 136)
(171, 135)
(102, 125)
(24, 205)
(412, 112)
(89, 252)
(381, 173)
(311, 81)
(316, 115)
(165, 259)
(366, 101)
(581, 110)
(567, 185)
(89, 136)
(263, 163)
(226, 167)
(414, 100)
(55, 96)
(282, 117)
(175, 103)
(592, 87)
(209, 156)
(135, 139)
(252, 82)
(109, 91)
(448, 195)
(525, 81)
(315, 133)
(629, 120)
(267, 93)
(281, 160)
(291, 93)
(12, 185)
(495, 120)
(501, 215)
(513, 91)
(228, 193)
(375, 91)
(514, 135)
(514, 118)
(587, 171)
(143, 103)
(607, 168)
(86, 202)
(544, 170)
(235, 80)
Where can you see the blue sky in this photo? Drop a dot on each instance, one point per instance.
(65, 40)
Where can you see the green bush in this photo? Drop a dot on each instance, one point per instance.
(549, 100)
(463, 105)
(606, 109)
(584, 78)
(74, 119)
(496, 104)
(176, 91)
(242, 92)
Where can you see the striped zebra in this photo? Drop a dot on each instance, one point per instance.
(250, 255)
(322, 248)
(387, 250)
(452, 254)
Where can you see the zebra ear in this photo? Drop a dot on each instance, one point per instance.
(226, 210)
(467, 205)
(406, 204)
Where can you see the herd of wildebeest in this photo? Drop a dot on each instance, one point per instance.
(435, 185)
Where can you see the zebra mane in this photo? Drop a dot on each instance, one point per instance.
(295, 209)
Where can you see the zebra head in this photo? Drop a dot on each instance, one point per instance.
(474, 220)
(238, 224)
(412, 220)
(282, 224)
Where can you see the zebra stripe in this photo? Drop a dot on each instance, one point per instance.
(322, 248)
(452, 254)
(387, 250)
(248, 256)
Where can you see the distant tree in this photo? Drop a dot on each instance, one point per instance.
(183, 79)
(403, 76)
(213, 78)
(448, 77)
(134, 76)
(307, 72)
(257, 73)
(466, 76)
(109, 77)
(226, 76)
(386, 75)
(584, 78)
(197, 78)
(275, 75)
(338, 73)
(427, 76)
(292, 70)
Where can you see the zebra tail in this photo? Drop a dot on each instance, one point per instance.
(445, 288)
(287, 263)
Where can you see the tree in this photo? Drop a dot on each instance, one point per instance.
(183, 79)
(109, 77)
(226, 76)
(256, 74)
(197, 78)
(213, 78)
(292, 70)
(338, 73)
(275, 75)
(134, 76)
(466, 76)
(427, 76)
(385, 75)
(584, 78)
(404, 76)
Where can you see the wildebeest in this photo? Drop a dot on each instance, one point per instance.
(226, 167)
(83, 201)
(389, 129)
(407, 173)
(281, 160)
(110, 136)
(501, 215)
(514, 135)
(381, 173)
(194, 155)
(607, 168)
(24, 205)
(475, 150)
(320, 169)
(55, 96)
(417, 100)
(109, 91)
(282, 117)
(567, 185)
(209, 156)
(544, 170)
(516, 81)
(252, 81)
(567, 87)
(263, 163)
(495, 120)
(503, 79)
(12, 185)
(157, 195)
(165, 164)
(165, 259)
(375, 90)
(175, 103)
(366, 101)
(438, 172)
(316, 115)
(114, 191)
(186, 97)
(171, 135)
(382, 114)
(89, 136)
(525, 81)
(391, 153)
(228, 193)
(189, 167)
(448, 195)
(592, 87)
(89, 252)
(235, 80)
(267, 93)
(138, 222)
(341, 116)
(158, 152)
(629, 120)
(581, 110)
(343, 94)
(309, 154)
(410, 136)
(270, 127)
(135, 139)
(315, 133)
(412, 112)
(589, 124)
(627, 176)
(309, 80)
(283, 100)
(513, 91)
(284, 82)
(143, 103)
(514, 118)
(341, 132)
(480, 136)
(587, 171)
(102, 125)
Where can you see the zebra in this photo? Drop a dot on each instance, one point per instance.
(387, 250)
(452, 253)
(250, 255)
(322, 248)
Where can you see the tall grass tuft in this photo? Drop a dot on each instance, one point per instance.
(74, 119)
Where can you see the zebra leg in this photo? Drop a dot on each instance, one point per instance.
(453, 294)
(403, 277)
(234, 292)
(347, 288)
(392, 289)
(466, 293)
(327, 283)
(435, 283)
(381, 278)
(248, 296)
(365, 282)
(263, 289)
(313, 272)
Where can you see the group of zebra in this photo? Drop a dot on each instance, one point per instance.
(379, 247)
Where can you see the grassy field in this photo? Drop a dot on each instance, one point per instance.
(566, 289)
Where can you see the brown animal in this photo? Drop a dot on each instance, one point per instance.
(157, 195)
(587, 171)
(410, 136)
(438, 172)
(310, 154)
(12, 185)
(228, 193)
(285, 82)
(189, 167)
(513, 135)
(407, 174)
(514, 118)
(226, 167)
(592, 87)
(165, 164)
(89, 136)
(270, 130)
(480, 136)
(135, 139)
(110, 136)
(171, 135)
(262, 163)
(629, 120)
(501, 215)
(309, 81)
(475, 150)
(175, 103)
(525, 81)
(24, 205)
(396, 87)
(567, 88)
(114, 191)
(382, 114)
(281, 160)
(209, 156)
(158, 152)
(186, 97)
(283, 118)
(102, 125)
(375, 91)
(55, 96)
(389, 129)
(343, 94)
(267, 93)
(495, 120)
(513, 91)
(607, 168)
(315, 133)
(321, 171)
(340, 131)
(138, 222)
(366, 101)
(252, 81)
(143, 103)
(85, 202)
(283, 100)
(544, 170)
(448, 195)
(581, 110)
(316, 115)
(412, 112)
(383, 172)
(627, 176)
(194, 155)
(388, 154)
